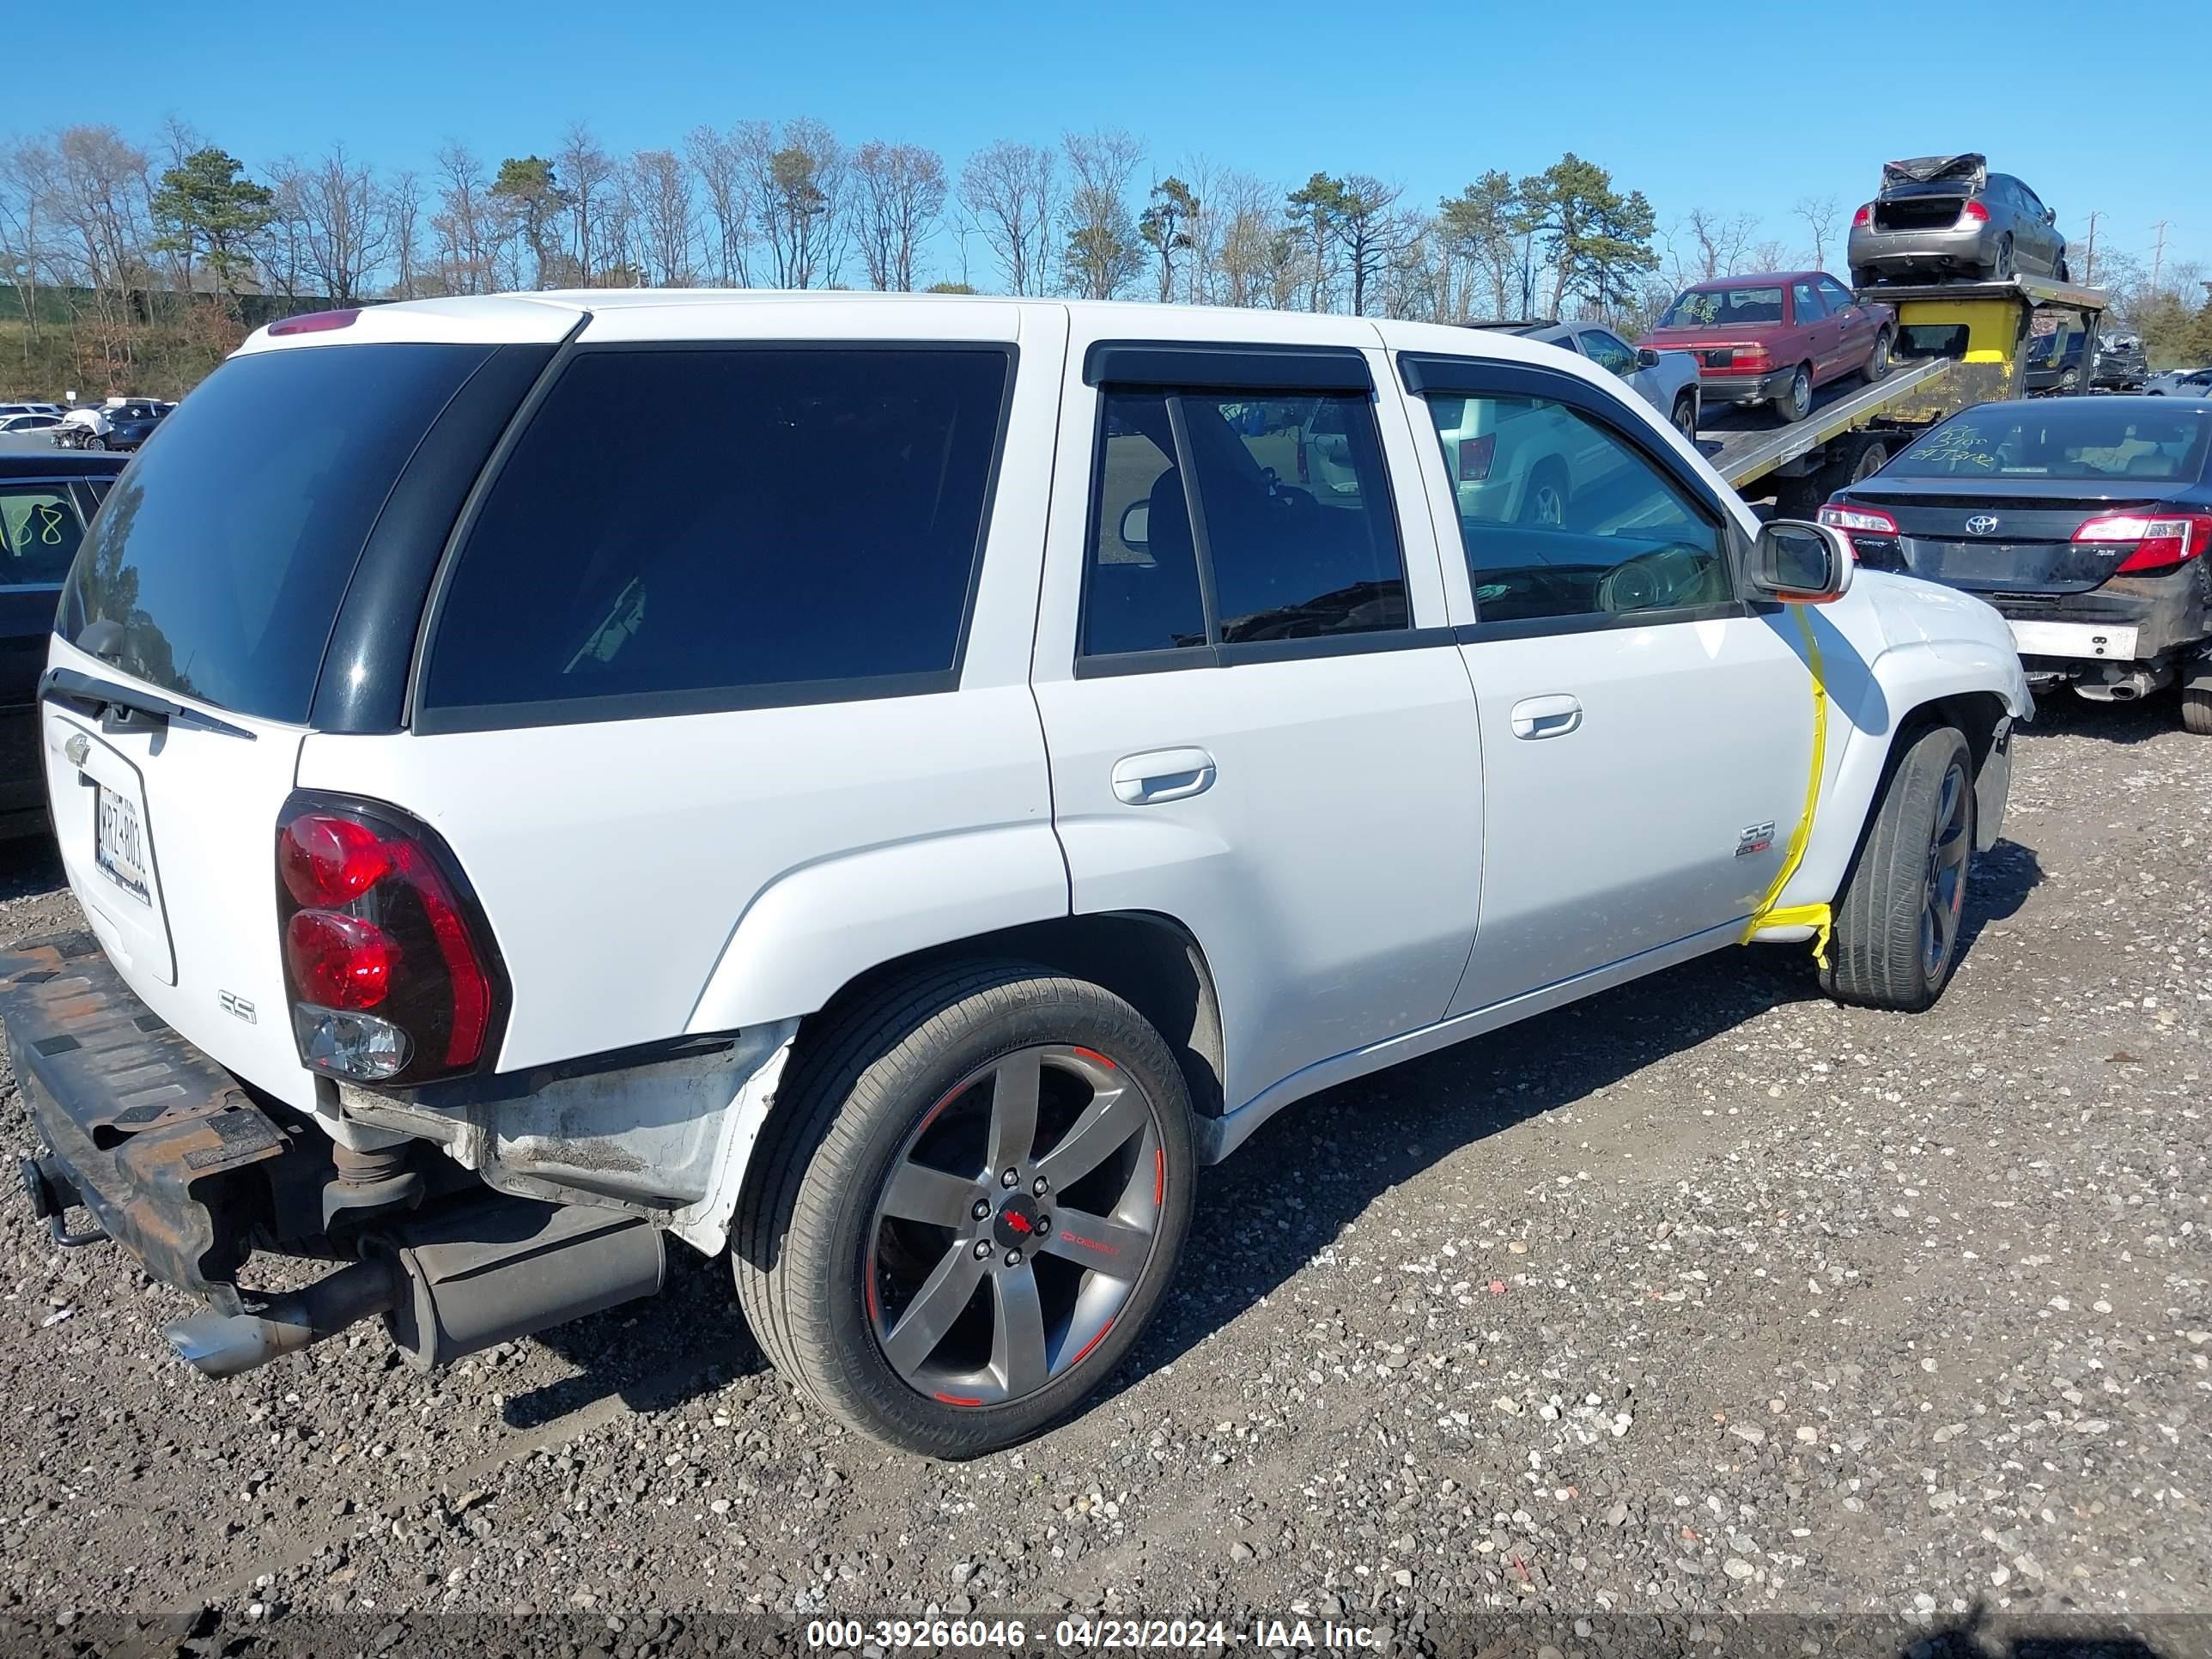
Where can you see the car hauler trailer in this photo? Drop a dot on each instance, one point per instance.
(1958, 344)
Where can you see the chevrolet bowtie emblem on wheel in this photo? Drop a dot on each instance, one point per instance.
(1982, 523)
(78, 748)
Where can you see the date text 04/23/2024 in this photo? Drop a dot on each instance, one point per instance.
(1087, 1635)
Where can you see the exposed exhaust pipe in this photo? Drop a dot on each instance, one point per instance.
(2126, 685)
(448, 1285)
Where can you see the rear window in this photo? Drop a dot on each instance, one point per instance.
(2074, 438)
(805, 529)
(217, 564)
(1724, 307)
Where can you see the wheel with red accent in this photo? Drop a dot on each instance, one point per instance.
(968, 1203)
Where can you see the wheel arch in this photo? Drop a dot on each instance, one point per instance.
(1151, 961)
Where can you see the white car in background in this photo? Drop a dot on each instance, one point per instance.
(1668, 380)
(2180, 383)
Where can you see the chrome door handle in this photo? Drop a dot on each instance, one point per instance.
(1163, 774)
(1547, 717)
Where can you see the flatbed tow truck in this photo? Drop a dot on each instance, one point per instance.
(1958, 344)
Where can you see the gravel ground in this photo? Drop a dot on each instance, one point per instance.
(1702, 1301)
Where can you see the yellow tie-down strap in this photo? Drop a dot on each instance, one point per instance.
(1819, 917)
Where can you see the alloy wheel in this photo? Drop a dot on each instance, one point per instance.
(1015, 1224)
(1944, 897)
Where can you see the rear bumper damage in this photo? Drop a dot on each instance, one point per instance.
(182, 1166)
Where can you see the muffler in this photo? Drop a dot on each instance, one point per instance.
(448, 1285)
(2128, 685)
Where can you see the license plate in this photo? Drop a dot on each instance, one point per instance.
(118, 844)
(2042, 639)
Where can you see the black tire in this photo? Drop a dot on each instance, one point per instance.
(1684, 419)
(96, 441)
(2062, 273)
(2197, 710)
(1795, 402)
(1544, 502)
(1872, 456)
(1880, 955)
(1877, 363)
(859, 1092)
(2006, 267)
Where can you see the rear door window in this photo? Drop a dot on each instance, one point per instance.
(217, 565)
(1275, 524)
(39, 530)
(1809, 306)
(808, 531)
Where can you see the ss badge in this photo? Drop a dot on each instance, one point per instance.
(233, 1004)
(1756, 838)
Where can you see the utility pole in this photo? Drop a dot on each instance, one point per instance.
(2157, 258)
(2090, 262)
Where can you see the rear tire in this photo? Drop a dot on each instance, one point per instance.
(2062, 273)
(832, 1251)
(2005, 268)
(1544, 502)
(1795, 402)
(2197, 710)
(1897, 927)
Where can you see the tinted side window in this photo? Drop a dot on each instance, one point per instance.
(1560, 516)
(39, 530)
(1141, 592)
(818, 524)
(1298, 523)
(1839, 297)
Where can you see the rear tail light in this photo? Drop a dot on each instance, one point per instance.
(1973, 213)
(389, 967)
(1753, 357)
(2161, 543)
(1860, 521)
(1476, 455)
(1863, 217)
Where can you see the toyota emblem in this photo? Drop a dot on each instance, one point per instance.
(1982, 523)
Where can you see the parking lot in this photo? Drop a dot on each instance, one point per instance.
(1705, 1295)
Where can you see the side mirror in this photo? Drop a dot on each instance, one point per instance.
(1136, 526)
(1646, 357)
(1800, 563)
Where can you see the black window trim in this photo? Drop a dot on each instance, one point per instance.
(1422, 373)
(425, 720)
(1196, 365)
(1217, 654)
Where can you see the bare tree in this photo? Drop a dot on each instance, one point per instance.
(1105, 251)
(1716, 243)
(403, 207)
(1244, 208)
(1819, 213)
(1012, 193)
(102, 207)
(587, 176)
(728, 232)
(28, 180)
(1372, 231)
(898, 195)
(462, 223)
(793, 186)
(346, 233)
(668, 218)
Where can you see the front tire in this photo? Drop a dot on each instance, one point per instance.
(1896, 933)
(1685, 417)
(861, 1264)
(96, 441)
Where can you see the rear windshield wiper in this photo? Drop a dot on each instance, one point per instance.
(96, 694)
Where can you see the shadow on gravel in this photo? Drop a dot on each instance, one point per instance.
(28, 865)
(1323, 1162)
(654, 1355)
(2061, 714)
(1973, 1640)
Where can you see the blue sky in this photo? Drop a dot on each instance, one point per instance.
(2070, 97)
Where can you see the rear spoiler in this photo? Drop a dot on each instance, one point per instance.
(1969, 169)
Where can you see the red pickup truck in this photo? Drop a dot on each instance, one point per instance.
(1772, 336)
